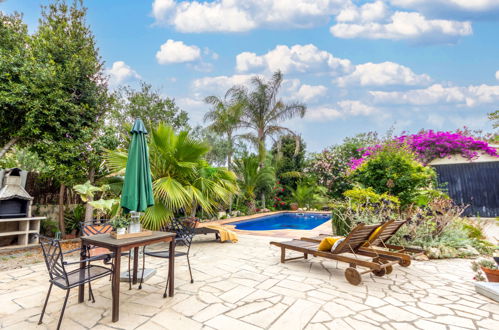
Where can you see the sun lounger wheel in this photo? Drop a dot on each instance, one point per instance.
(388, 269)
(405, 262)
(353, 276)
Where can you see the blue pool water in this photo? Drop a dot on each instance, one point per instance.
(284, 221)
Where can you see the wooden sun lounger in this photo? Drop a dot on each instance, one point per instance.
(377, 244)
(390, 230)
(205, 231)
(387, 229)
(379, 265)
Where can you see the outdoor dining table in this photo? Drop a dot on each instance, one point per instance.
(117, 247)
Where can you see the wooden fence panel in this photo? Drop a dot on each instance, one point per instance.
(473, 184)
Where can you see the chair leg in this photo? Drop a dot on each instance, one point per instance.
(63, 309)
(91, 293)
(129, 271)
(143, 267)
(167, 283)
(45, 305)
(190, 271)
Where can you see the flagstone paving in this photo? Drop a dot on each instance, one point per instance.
(243, 286)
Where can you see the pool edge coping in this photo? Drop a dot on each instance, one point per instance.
(323, 228)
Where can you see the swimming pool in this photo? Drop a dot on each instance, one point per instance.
(284, 221)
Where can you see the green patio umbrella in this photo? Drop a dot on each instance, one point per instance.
(137, 190)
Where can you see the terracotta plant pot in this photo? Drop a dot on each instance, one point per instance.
(293, 206)
(492, 274)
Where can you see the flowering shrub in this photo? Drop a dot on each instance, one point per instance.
(393, 169)
(277, 195)
(430, 145)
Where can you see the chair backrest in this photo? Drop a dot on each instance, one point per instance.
(388, 232)
(356, 238)
(184, 228)
(54, 260)
(95, 227)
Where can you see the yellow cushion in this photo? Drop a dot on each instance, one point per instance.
(328, 242)
(373, 236)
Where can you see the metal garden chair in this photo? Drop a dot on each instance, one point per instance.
(95, 227)
(66, 280)
(184, 228)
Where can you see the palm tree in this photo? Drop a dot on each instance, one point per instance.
(182, 180)
(308, 195)
(251, 176)
(225, 117)
(264, 111)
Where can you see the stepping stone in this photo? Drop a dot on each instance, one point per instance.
(488, 289)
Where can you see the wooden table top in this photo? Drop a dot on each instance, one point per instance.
(105, 240)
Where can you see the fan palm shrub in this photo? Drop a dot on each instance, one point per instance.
(183, 181)
(306, 195)
(251, 177)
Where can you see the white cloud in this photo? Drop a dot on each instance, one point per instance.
(343, 109)
(322, 113)
(451, 8)
(297, 58)
(177, 52)
(220, 84)
(291, 89)
(195, 107)
(367, 13)
(376, 21)
(308, 93)
(120, 72)
(438, 94)
(497, 74)
(356, 108)
(243, 15)
(382, 74)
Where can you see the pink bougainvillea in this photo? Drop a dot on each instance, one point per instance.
(430, 145)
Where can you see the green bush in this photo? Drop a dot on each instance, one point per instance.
(367, 197)
(394, 170)
(73, 217)
(441, 232)
(48, 227)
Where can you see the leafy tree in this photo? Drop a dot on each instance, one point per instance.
(394, 170)
(147, 104)
(13, 90)
(264, 111)
(251, 177)
(219, 146)
(290, 164)
(494, 116)
(225, 118)
(182, 179)
(68, 90)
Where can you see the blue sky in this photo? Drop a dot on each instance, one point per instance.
(358, 65)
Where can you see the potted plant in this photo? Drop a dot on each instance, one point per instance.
(486, 266)
(120, 225)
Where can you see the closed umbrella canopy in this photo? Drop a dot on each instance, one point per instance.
(137, 190)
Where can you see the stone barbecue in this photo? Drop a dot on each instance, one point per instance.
(17, 226)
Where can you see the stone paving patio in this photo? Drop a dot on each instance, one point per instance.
(243, 286)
